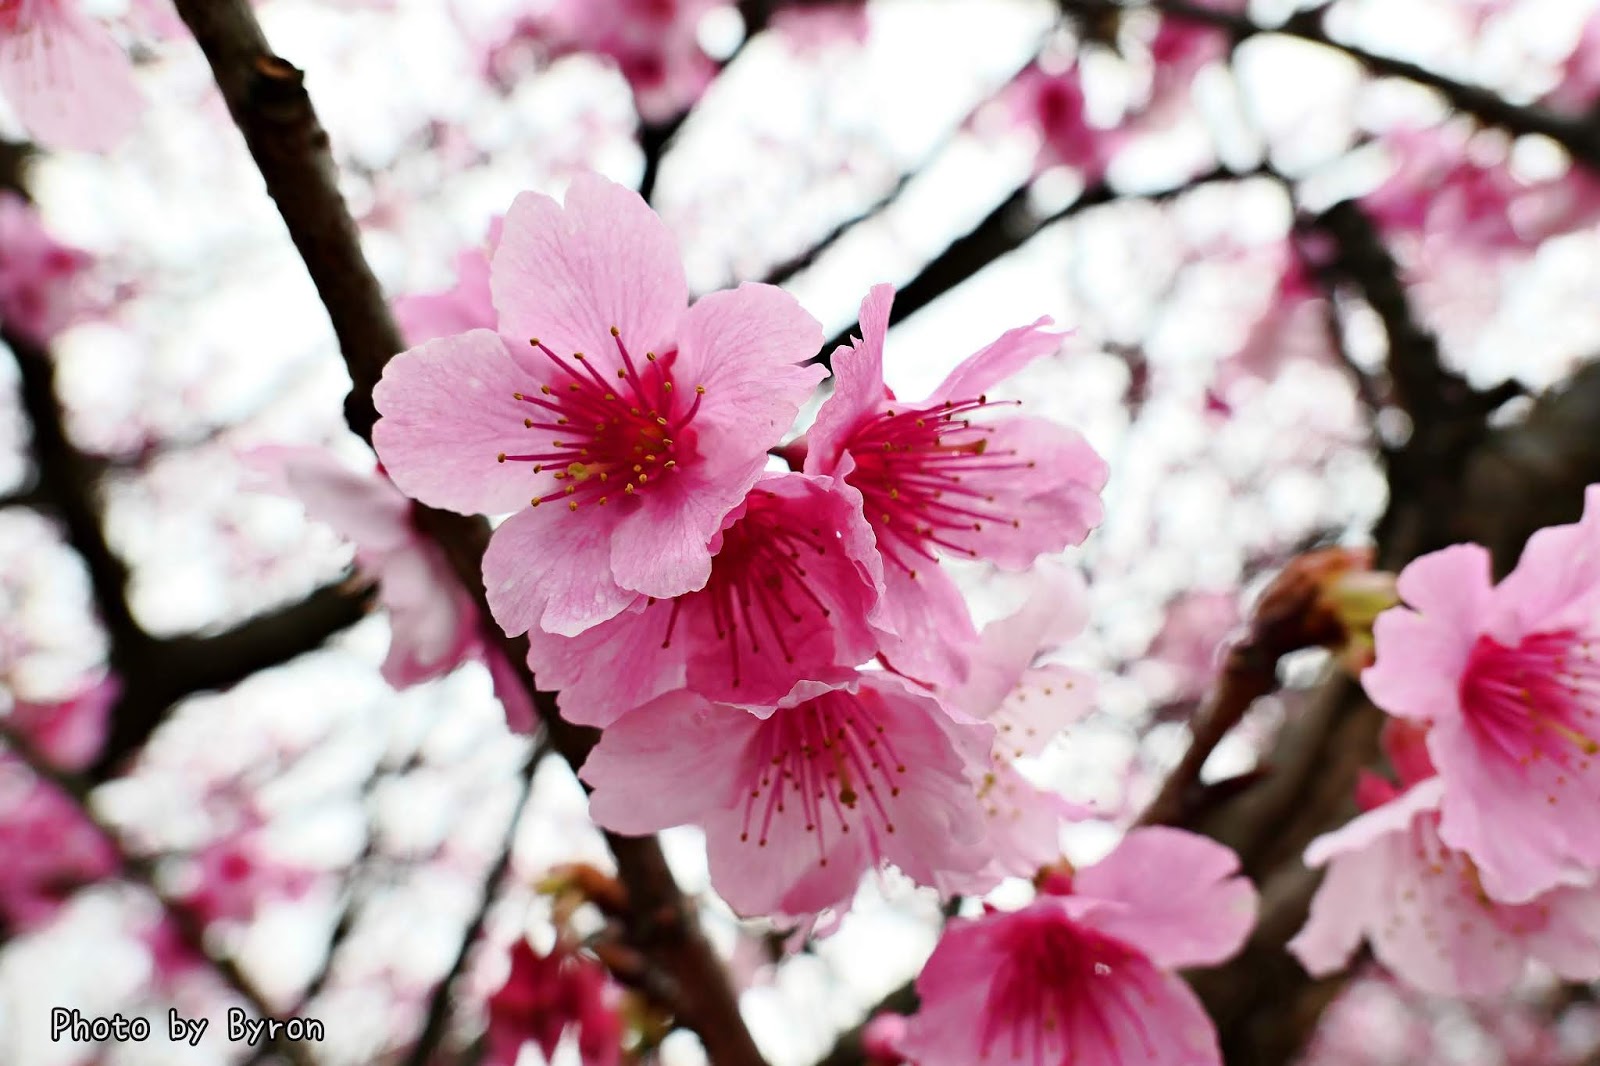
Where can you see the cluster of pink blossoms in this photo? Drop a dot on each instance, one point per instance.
(778, 656)
(1487, 852)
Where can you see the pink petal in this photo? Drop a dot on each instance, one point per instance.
(1003, 357)
(1556, 582)
(1052, 503)
(449, 411)
(1452, 587)
(68, 80)
(365, 509)
(1529, 828)
(746, 346)
(433, 622)
(858, 388)
(547, 567)
(928, 632)
(662, 549)
(1186, 906)
(612, 668)
(567, 276)
(521, 716)
(1417, 672)
(667, 763)
(1363, 832)
(1345, 901)
(1054, 611)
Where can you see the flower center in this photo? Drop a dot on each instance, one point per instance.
(1054, 989)
(607, 438)
(920, 474)
(759, 584)
(823, 757)
(1538, 700)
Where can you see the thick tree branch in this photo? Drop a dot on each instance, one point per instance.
(267, 98)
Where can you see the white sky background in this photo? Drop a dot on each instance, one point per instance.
(225, 331)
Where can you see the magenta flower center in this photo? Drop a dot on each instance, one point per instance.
(921, 476)
(1538, 700)
(1058, 984)
(826, 761)
(759, 597)
(606, 439)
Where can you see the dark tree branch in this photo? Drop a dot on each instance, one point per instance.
(1002, 231)
(267, 98)
(1580, 136)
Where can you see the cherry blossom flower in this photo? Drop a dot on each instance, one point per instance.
(655, 45)
(434, 625)
(1052, 103)
(547, 995)
(799, 802)
(236, 875)
(466, 305)
(70, 732)
(1507, 678)
(632, 425)
(38, 275)
(1189, 643)
(1422, 905)
(51, 848)
(66, 78)
(1085, 972)
(934, 478)
(1028, 705)
(794, 580)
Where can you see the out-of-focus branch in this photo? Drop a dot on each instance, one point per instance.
(438, 1015)
(1002, 231)
(140, 870)
(267, 98)
(1576, 134)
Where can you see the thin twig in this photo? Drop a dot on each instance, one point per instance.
(438, 1014)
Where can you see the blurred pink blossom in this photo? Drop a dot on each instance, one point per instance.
(64, 75)
(545, 996)
(39, 276)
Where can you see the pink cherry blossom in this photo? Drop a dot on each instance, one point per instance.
(64, 75)
(546, 995)
(434, 625)
(1178, 52)
(236, 875)
(793, 583)
(466, 305)
(935, 477)
(38, 275)
(1028, 705)
(1190, 640)
(837, 779)
(1580, 74)
(50, 848)
(654, 43)
(1292, 324)
(633, 425)
(1084, 974)
(1422, 905)
(1507, 680)
(1052, 103)
(810, 30)
(69, 732)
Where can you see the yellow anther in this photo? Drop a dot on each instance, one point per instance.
(572, 505)
(500, 458)
(615, 332)
(578, 471)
